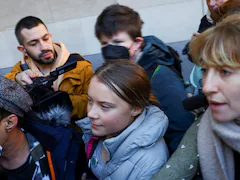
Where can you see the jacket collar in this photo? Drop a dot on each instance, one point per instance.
(155, 51)
(149, 127)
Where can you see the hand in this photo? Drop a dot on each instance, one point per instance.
(53, 87)
(84, 176)
(25, 77)
(189, 95)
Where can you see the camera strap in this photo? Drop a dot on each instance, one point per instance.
(74, 57)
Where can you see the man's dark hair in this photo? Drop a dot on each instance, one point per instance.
(117, 18)
(4, 113)
(27, 22)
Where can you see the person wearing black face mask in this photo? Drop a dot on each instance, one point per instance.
(115, 52)
(118, 29)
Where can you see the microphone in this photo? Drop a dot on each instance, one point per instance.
(195, 102)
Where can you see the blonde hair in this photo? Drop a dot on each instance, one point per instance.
(219, 45)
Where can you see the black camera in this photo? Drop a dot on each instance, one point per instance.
(43, 96)
(48, 81)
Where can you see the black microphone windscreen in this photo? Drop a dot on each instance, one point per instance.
(195, 102)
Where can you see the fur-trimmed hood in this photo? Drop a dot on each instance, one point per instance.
(59, 115)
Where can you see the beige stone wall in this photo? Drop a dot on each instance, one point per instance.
(72, 21)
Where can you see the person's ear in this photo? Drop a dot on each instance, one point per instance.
(139, 42)
(22, 49)
(136, 111)
(10, 122)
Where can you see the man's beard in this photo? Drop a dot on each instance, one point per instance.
(41, 61)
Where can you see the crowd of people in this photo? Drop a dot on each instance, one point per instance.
(60, 120)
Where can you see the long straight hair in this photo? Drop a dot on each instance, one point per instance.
(128, 80)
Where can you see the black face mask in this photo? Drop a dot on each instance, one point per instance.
(115, 52)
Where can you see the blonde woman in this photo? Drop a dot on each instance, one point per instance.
(215, 141)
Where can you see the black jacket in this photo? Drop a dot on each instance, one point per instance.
(168, 87)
